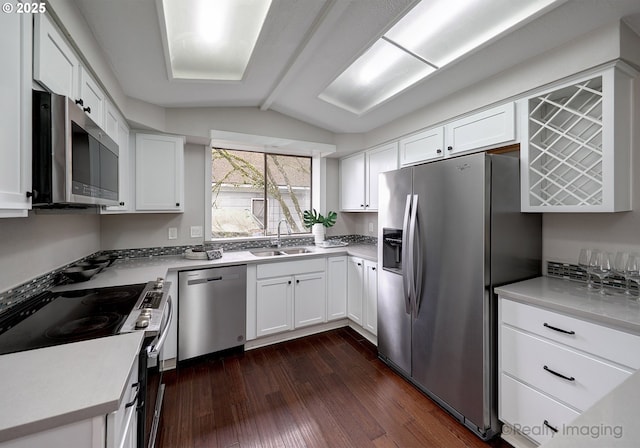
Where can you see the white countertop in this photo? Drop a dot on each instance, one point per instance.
(141, 270)
(612, 422)
(569, 297)
(45, 388)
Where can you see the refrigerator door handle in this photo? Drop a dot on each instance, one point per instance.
(406, 265)
(416, 259)
(416, 265)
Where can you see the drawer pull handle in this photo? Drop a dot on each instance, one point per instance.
(559, 374)
(559, 329)
(546, 423)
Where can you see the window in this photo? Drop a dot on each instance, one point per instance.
(251, 192)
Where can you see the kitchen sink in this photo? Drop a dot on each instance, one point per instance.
(296, 250)
(266, 253)
(285, 251)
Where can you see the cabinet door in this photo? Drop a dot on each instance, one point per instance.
(355, 277)
(55, 65)
(274, 305)
(159, 173)
(352, 183)
(124, 171)
(426, 145)
(482, 130)
(15, 115)
(336, 288)
(111, 120)
(92, 97)
(379, 160)
(370, 297)
(310, 299)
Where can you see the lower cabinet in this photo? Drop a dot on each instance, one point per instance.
(274, 300)
(310, 299)
(362, 293)
(336, 288)
(552, 367)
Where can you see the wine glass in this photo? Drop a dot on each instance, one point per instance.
(633, 269)
(620, 266)
(600, 264)
(583, 262)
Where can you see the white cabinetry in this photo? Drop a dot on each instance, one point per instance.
(552, 367)
(362, 293)
(290, 295)
(485, 129)
(55, 65)
(118, 130)
(476, 132)
(15, 115)
(576, 144)
(423, 146)
(159, 173)
(92, 97)
(336, 288)
(359, 177)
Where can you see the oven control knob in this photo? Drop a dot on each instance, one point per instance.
(159, 283)
(142, 322)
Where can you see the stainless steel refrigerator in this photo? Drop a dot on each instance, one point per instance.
(449, 232)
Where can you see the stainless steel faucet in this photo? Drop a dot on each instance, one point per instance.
(278, 242)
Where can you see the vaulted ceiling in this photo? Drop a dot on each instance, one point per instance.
(305, 44)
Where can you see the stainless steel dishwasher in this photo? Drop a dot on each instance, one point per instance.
(212, 310)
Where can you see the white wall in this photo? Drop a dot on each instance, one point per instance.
(33, 246)
(151, 230)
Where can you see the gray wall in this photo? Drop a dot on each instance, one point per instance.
(32, 246)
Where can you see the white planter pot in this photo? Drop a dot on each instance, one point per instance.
(318, 232)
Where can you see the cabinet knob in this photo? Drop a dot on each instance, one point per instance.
(373, 269)
(80, 102)
(122, 204)
(87, 109)
(177, 204)
(297, 281)
(29, 194)
(289, 282)
(361, 205)
(439, 151)
(449, 148)
(359, 264)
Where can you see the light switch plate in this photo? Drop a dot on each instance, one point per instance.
(370, 227)
(196, 231)
(173, 233)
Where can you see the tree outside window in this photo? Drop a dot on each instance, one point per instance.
(252, 192)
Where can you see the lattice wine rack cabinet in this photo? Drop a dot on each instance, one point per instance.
(576, 144)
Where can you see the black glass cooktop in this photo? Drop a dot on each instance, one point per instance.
(69, 316)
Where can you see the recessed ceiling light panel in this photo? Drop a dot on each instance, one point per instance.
(210, 39)
(380, 73)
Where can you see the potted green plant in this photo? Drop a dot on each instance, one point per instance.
(318, 223)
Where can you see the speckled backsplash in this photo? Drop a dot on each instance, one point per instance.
(46, 281)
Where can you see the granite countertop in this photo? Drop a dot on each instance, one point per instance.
(49, 387)
(614, 309)
(141, 270)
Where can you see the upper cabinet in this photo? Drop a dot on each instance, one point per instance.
(359, 177)
(477, 132)
(159, 173)
(91, 97)
(55, 65)
(15, 115)
(576, 144)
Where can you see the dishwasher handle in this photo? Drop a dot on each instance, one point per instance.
(200, 281)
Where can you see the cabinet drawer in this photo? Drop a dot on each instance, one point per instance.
(527, 410)
(525, 357)
(117, 421)
(595, 339)
(282, 268)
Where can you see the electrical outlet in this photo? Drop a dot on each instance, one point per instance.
(370, 227)
(173, 233)
(196, 231)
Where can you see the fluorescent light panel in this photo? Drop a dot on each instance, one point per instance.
(212, 39)
(433, 34)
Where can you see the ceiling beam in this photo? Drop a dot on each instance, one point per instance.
(324, 21)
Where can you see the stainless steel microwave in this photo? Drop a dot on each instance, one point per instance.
(74, 162)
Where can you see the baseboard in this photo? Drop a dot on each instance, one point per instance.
(294, 334)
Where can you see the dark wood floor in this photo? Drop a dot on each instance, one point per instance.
(327, 390)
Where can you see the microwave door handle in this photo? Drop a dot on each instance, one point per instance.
(406, 263)
(153, 352)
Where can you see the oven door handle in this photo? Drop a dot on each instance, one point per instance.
(154, 351)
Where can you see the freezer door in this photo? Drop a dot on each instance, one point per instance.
(449, 332)
(394, 323)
